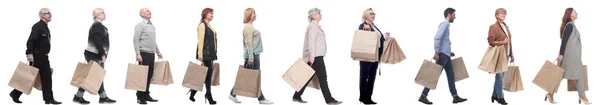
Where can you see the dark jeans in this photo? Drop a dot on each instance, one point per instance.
(147, 59)
(256, 66)
(99, 61)
(41, 62)
(320, 71)
(446, 63)
(368, 72)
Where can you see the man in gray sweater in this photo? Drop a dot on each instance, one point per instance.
(144, 43)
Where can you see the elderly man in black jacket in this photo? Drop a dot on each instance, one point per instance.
(38, 47)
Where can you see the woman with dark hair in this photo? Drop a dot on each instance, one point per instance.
(206, 51)
(569, 57)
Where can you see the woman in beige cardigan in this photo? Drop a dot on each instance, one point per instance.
(570, 54)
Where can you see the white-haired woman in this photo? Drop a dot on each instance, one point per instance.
(313, 53)
(96, 51)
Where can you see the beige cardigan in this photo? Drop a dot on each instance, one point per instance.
(314, 42)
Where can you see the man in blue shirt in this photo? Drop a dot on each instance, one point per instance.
(442, 56)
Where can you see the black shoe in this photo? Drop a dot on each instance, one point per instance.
(150, 99)
(15, 98)
(106, 100)
(299, 100)
(80, 100)
(367, 102)
(208, 97)
(458, 99)
(501, 101)
(334, 102)
(140, 98)
(192, 95)
(53, 102)
(424, 100)
(494, 98)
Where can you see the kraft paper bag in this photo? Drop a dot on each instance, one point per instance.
(460, 70)
(216, 76)
(489, 60)
(23, 78)
(364, 46)
(38, 80)
(195, 76)
(162, 74)
(392, 53)
(501, 64)
(511, 81)
(572, 84)
(247, 83)
(314, 83)
(88, 76)
(429, 74)
(549, 77)
(298, 74)
(137, 76)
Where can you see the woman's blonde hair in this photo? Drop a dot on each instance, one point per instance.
(498, 11)
(366, 13)
(97, 12)
(248, 14)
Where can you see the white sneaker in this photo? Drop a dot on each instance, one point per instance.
(234, 99)
(265, 102)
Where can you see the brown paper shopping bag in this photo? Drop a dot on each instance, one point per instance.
(460, 70)
(195, 75)
(512, 79)
(216, 76)
(429, 74)
(489, 60)
(392, 53)
(501, 64)
(298, 74)
(23, 78)
(247, 83)
(162, 74)
(364, 46)
(38, 81)
(572, 84)
(137, 76)
(89, 78)
(549, 77)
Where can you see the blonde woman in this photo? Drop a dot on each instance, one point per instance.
(252, 49)
(499, 34)
(96, 51)
(368, 70)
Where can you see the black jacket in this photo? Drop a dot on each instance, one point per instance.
(209, 50)
(39, 39)
(98, 37)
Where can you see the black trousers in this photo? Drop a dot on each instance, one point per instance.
(41, 62)
(147, 59)
(208, 80)
(320, 71)
(368, 72)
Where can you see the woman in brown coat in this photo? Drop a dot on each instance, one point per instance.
(500, 35)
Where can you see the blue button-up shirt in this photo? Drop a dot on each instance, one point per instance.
(442, 38)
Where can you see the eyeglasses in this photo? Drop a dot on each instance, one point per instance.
(372, 14)
(47, 13)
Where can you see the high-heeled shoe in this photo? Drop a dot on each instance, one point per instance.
(192, 95)
(551, 100)
(15, 98)
(585, 102)
(208, 97)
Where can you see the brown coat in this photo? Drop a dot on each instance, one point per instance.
(497, 34)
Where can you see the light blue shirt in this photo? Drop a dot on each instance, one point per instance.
(442, 38)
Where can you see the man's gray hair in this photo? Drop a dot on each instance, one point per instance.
(42, 11)
(312, 12)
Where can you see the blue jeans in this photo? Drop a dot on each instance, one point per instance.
(99, 61)
(498, 93)
(256, 66)
(446, 63)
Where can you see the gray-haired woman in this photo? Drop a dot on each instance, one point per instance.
(313, 53)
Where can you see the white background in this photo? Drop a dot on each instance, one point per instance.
(534, 25)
